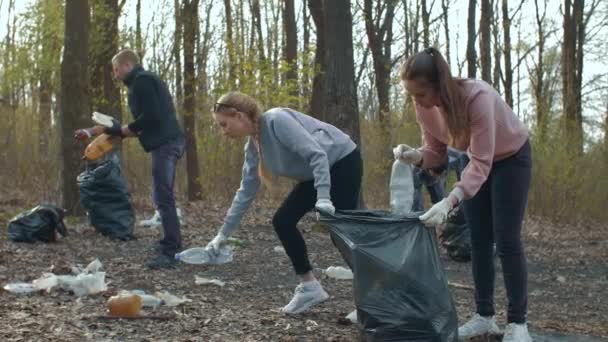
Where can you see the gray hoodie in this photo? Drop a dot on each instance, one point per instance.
(293, 145)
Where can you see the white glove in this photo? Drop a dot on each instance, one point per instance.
(439, 213)
(218, 241)
(407, 154)
(324, 205)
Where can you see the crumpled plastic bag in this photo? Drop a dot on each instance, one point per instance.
(88, 281)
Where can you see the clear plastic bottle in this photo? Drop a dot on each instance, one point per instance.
(201, 256)
(401, 188)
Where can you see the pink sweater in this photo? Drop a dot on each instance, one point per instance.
(495, 134)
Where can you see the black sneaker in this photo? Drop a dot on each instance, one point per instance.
(161, 246)
(161, 260)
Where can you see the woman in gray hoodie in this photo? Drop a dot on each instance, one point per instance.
(283, 142)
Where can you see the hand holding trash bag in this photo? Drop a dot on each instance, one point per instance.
(324, 205)
(440, 211)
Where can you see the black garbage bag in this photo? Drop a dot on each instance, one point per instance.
(41, 223)
(455, 237)
(400, 288)
(104, 194)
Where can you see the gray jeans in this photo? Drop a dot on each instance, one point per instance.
(164, 162)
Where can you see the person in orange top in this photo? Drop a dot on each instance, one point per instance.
(471, 116)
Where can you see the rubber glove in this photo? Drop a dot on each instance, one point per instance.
(216, 244)
(407, 154)
(324, 205)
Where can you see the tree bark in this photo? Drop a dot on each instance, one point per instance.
(139, 45)
(230, 43)
(380, 37)
(571, 56)
(425, 24)
(508, 73)
(446, 27)
(75, 105)
(318, 82)
(471, 36)
(340, 98)
(103, 42)
(190, 22)
(291, 47)
(485, 41)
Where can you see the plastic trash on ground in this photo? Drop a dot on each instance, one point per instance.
(208, 281)
(338, 272)
(124, 305)
(400, 287)
(203, 255)
(147, 300)
(279, 249)
(171, 300)
(87, 281)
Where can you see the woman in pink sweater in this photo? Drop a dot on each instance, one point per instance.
(471, 116)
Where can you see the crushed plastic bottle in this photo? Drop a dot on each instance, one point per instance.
(401, 188)
(20, 288)
(338, 272)
(202, 256)
(147, 300)
(125, 305)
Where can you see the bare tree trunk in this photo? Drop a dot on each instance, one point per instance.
(485, 39)
(570, 67)
(305, 50)
(340, 100)
(190, 22)
(538, 83)
(380, 35)
(139, 42)
(318, 82)
(471, 36)
(508, 73)
(103, 42)
(230, 43)
(291, 47)
(446, 27)
(257, 19)
(497, 49)
(75, 105)
(425, 24)
(177, 58)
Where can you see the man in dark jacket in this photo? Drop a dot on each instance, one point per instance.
(155, 125)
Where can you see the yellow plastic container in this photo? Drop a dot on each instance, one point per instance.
(125, 305)
(99, 146)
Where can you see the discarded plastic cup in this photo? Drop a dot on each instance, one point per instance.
(125, 305)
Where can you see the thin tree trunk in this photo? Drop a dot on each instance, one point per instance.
(318, 82)
(190, 22)
(485, 39)
(305, 52)
(497, 49)
(446, 27)
(230, 43)
(75, 105)
(291, 47)
(177, 58)
(425, 24)
(139, 45)
(471, 36)
(508, 73)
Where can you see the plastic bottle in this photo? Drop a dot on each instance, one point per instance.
(201, 255)
(99, 146)
(339, 272)
(402, 188)
(124, 305)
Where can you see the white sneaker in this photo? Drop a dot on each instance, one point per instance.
(155, 220)
(352, 316)
(516, 333)
(478, 325)
(305, 296)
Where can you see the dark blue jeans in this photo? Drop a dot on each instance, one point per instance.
(164, 162)
(495, 214)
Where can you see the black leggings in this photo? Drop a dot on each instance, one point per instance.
(346, 177)
(495, 214)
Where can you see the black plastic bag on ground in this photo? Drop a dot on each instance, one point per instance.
(104, 194)
(400, 288)
(455, 237)
(41, 223)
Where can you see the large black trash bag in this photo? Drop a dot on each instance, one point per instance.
(104, 194)
(455, 237)
(400, 288)
(41, 223)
